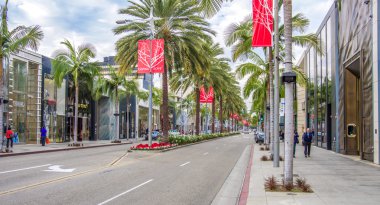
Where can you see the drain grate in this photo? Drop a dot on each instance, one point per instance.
(294, 175)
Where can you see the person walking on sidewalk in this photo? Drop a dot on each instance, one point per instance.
(43, 135)
(296, 141)
(9, 136)
(307, 137)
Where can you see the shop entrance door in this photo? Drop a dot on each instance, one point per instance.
(353, 108)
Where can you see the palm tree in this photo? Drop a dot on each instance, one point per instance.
(12, 42)
(289, 118)
(210, 7)
(115, 85)
(75, 62)
(180, 26)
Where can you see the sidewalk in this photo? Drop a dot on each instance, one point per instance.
(335, 179)
(22, 149)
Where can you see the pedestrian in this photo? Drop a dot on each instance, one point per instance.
(307, 138)
(9, 136)
(296, 141)
(43, 135)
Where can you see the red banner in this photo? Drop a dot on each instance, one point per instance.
(262, 23)
(206, 97)
(235, 116)
(151, 62)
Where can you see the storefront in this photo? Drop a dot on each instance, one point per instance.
(339, 98)
(23, 80)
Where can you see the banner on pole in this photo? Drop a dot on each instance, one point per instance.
(151, 62)
(262, 23)
(206, 97)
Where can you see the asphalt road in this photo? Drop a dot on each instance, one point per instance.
(110, 175)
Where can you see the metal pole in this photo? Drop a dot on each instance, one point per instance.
(151, 22)
(276, 154)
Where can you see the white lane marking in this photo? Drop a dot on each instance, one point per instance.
(184, 164)
(205, 153)
(16, 170)
(57, 168)
(119, 195)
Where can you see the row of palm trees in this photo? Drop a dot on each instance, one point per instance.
(192, 60)
(190, 54)
(259, 70)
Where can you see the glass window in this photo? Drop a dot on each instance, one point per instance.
(311, 83)
(329, 61)
(323, 92)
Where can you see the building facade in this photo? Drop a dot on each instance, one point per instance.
(23, 84)
(340, 99)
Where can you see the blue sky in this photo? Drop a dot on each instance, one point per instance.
(91, 21)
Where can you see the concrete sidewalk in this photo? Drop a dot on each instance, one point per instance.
(335, 179)
(22, 149)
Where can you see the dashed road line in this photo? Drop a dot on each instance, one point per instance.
(27, 168)
(206, 153)
(184, 164)
(126, 192)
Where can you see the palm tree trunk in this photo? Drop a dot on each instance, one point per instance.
(229, 123)
(271, 100)
(213, 117)
(165, 107)
(117, 131)
(197, 110)
(1, 103)
(221, 113)
(289, 118)
(76, 114)
(128, 117)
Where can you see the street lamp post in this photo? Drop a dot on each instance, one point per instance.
(150, 20)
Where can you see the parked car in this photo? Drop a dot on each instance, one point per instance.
(155, 135)
(260, 137)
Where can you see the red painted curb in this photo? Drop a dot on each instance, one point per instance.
(245, 188)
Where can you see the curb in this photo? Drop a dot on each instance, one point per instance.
(63, 149)
(245, 187)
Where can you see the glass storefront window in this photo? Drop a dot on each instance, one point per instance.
(329, 61)
(322, 100)
(311, 84)
(18, 98)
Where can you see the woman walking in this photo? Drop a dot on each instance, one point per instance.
(9, 135)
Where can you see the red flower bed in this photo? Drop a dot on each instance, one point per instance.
(155, 146)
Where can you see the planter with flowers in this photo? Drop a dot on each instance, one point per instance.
(155, 146)
(179, 141)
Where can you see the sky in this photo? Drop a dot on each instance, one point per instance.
(92, 21)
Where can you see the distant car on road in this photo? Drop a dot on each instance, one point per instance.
(174, 132)
(260, 137)
(246, 131)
